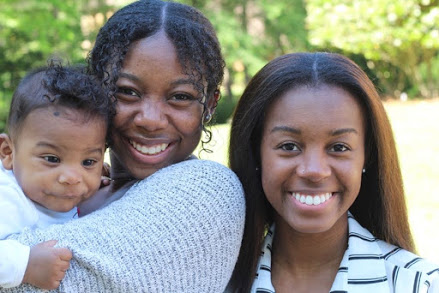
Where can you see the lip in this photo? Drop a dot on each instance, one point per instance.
(66, 196)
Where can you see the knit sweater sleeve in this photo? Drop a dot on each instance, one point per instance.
(179, 230)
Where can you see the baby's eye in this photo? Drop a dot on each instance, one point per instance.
(339, 148)
(289, 147)
(88, 162)
(52, 159)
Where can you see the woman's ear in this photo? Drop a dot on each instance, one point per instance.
(6, 151)
(211, 105)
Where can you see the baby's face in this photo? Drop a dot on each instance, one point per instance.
(58, 157)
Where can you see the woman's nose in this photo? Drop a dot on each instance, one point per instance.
(314, 166)
(151, 115)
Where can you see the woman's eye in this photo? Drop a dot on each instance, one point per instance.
(128, 92)
(339, 148)
(289, 147)
(52, 159)
(182, 97)
(88, 162)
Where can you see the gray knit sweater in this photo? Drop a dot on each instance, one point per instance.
(179, 230)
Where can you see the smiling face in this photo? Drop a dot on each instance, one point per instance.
(158, 119)
(312, 155)
(57, 158)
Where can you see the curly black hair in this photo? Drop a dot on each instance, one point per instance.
(192, 34)
(69, 87)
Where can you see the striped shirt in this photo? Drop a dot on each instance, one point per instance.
(368, 265)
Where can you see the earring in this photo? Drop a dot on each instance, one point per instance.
(364, 170)
(207, 118)
(217, 97)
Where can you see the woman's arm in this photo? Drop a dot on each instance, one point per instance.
(179, 230)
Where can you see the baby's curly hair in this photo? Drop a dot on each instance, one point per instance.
(192, 34)
(56, 85)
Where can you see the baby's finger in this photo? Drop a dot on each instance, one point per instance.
(64, 254)
(64, 266)
(105, 181)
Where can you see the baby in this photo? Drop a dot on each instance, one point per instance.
(51, 161)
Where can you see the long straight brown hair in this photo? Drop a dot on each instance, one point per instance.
(380, 206)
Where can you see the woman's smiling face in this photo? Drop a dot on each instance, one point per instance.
(158, 119)
(312, 156)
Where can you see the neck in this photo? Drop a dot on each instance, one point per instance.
(118, 173)
(308, 260)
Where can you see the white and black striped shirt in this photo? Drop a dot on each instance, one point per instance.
(368, 265)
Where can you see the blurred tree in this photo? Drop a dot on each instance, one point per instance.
(399, 38)
(31, 31)
(251, 33)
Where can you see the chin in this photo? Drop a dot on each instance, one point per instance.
(142, 173)
(311, 227)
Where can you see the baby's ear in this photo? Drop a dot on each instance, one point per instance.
(6, 151)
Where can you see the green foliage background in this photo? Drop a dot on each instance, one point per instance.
(396, 42)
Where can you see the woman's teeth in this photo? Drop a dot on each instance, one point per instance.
(312, 199)
(152, 150)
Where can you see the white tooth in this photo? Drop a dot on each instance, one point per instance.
(328, 195)
(316, 200)
(309, 200)
(149, 150)
(297, 196)
(302, 199)
(322, 198)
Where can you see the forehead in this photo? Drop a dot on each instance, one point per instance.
(322, 105)
(156, 57)
(64, 124)
(153, 51)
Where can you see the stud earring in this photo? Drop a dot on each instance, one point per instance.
(364, 170)
(207, 118)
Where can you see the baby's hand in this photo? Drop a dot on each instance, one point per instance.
(47, 265)
(105, 176)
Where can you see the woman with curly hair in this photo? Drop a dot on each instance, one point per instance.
(167, 222)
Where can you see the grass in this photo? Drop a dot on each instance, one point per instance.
(416, 129)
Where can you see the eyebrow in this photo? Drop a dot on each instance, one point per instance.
(46, 144)
(49, 145)
(183, 81)
(341, 131)
(335, 132)
(128, 76)
(174, 83)
(286, 129)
